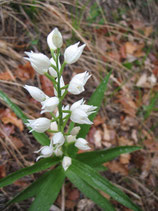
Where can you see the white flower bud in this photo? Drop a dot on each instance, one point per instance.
(61, 85)
(54, 126)
(36, 93)
(76, 85)
(66, 162)
(46, 151)
(71, 139)
(39, 125)
(54, 39)
(49, 105)
(58, 152)
(82, 144)
(75, 131)
(39, 62)
(73, 53)
(80, 112)
(52, 71)
(58, 139)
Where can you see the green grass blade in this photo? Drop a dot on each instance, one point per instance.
(89, 175)
(39, 166)
(49, 190)
(96, 158)
(42, 138)
(89, 191)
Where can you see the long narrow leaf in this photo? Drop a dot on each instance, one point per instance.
(30, 191)
(89, 191)
(42, 138)
(96, 158)
(49, 191)
(89, 175)
(39, 166)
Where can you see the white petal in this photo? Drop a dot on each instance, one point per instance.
(66, 162)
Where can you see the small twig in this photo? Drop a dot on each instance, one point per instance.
(63, 197)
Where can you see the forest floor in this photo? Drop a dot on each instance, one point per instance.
(120, 36)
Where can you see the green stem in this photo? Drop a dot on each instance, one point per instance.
(59, 93)
(62, 68)
(52, 131)
(65, 87)
(66, 120)
(51, 78)
(62, 97)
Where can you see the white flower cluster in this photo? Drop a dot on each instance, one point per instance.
(78, 112)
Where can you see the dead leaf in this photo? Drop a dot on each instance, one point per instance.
(24, 72)
(134, 49)
(148, 30)
(74, 195)
(2, 171)
(129, 106)
(142, 80)
(122, 141)
(98, 120)
(98, 138)
(17, 142)
(21, 183)
(47, 86)
(125, 158)
(8, 129)
(116, 167)
(6, 76)
(130, 47)
(7, 116)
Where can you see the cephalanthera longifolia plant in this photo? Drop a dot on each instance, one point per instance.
(61, 150)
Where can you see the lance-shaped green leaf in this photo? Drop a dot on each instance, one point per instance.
(89, 191)
(39, 166)
(30, 191)
(96, 158)
(49, 190)
(89, 175)
(42, 138)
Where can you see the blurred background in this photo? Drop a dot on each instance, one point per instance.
(120, 36)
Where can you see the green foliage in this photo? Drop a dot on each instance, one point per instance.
(95, 14)
(42, 138)
(89, 175)
(99, 157)
(49, 190)
(89, 191)
(31, 190)
(83, 172)
(39, 166)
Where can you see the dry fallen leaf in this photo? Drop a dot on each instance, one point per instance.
(24, 72)
(98, 138)
(6, 76)
(2, 171)
(125, 158)
(17, 142)
(116, 167)
(47, 86)
(7, 116)
(129, 106)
